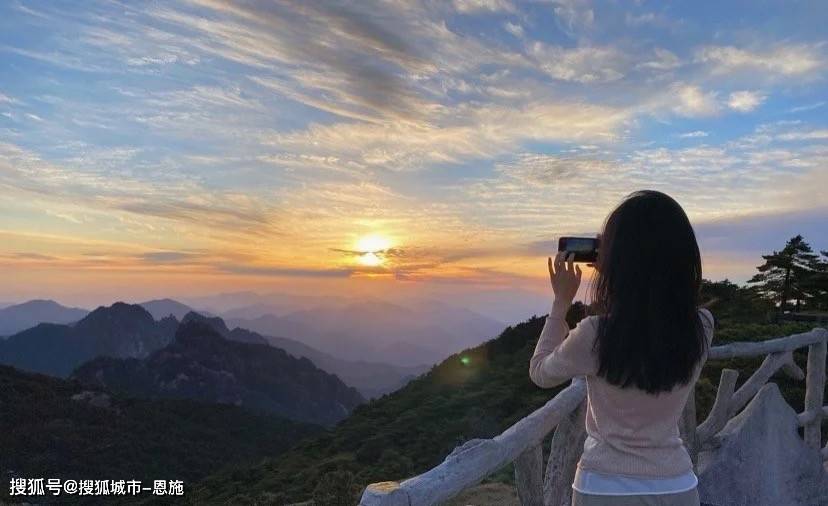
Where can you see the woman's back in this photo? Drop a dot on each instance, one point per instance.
(630, 431)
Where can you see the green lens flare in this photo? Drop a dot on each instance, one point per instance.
(465, 360)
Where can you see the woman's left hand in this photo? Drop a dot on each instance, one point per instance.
(565, 277)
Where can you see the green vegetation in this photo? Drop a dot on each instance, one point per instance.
(473, 394)
(794, 273)
(48, 434)
(413, 429)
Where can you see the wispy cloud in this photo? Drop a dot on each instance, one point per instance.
(694, 134)
(245, 139)
(745, 101)
(466, 6)
(783, 59)
(692, 101)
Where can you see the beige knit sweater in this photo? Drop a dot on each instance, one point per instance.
(633, 433)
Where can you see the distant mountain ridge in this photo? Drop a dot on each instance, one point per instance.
(17, 317)
(217, 324)
(160, 308)
(129, 330)
(120, 330)
(372, 379)
(201, 364)
(423, 332)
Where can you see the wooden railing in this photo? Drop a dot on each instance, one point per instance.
(521, 443)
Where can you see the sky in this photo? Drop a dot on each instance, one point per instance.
(170, 148)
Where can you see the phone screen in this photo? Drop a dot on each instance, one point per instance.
(585, 248)
(580, 244)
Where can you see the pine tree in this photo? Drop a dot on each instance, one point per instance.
(816, 284)
(784, 275)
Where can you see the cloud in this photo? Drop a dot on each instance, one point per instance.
(573, 15)
(745, 101)
(30, 256)
(694, 134)
(664, 60)
(7, 99)
(692, 101)
(786, 60)
(168, 257)
(514, 28)
(764, 232)
(254, 270)
(464, 134)
(808, 107)
(582, 64)
(470, 6)
(537, 169)
(804, 135)
(180, 200)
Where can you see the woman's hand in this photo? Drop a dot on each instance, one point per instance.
(565, 277)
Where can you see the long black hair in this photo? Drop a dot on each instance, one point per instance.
(646, 290)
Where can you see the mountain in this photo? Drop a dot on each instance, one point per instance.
(202, 365)
(407, 431)
(372, 379)
(253, 305)
(160, 308)
(378, 331)
(56, 428)
(120, 330)
(19, 317)
(218, 325)
(476, 393)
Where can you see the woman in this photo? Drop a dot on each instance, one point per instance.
(641, 355)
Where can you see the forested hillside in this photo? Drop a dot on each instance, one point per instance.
(202, 365)
(473, 394)
(54, 428)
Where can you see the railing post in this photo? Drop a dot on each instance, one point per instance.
(567, 447)
(718, 416)
(814, 393)
(529, 476)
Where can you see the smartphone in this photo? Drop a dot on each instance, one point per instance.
(585, 248)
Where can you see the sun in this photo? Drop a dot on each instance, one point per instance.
(370, 259)
(372, 244)
(371, 248)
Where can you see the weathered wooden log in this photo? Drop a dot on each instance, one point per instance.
(469, 464)
(384, 493)
(718, 416)
(566, 448)
(806, 417)
(529, 476)
(815, 393)
(687, 428)
(753, 349)
(792, 370)
(757, 380)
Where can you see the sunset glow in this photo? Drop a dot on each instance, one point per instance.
(373, 244)
(370, 259)
(185, 146)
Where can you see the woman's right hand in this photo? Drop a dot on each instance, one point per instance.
(565, 278)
